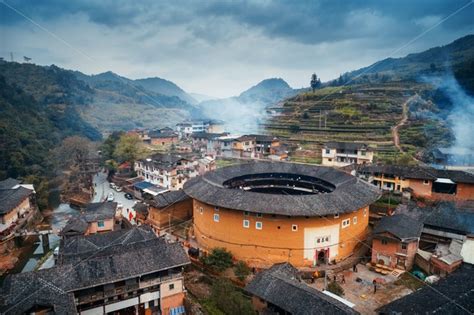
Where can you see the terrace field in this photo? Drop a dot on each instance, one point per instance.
(358, 113)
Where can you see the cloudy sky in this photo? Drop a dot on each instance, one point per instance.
(221, 48)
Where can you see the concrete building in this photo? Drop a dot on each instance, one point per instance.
(169, 171)
(266, 213)
(430, 183)
(279, 290)
(122, 272)
(340, 154)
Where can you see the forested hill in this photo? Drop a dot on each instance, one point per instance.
(456, 58)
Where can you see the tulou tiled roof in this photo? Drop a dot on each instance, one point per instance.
(280, 286)
(88, 261)
(350, 193)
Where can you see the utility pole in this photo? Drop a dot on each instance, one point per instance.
(11, 56)
(325, 119)
(320, 119)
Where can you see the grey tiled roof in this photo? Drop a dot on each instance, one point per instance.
(168, 198)
(414, 172)
(352, 146)
(75, 226)
(88, 261)
(10, 198)
(400, 225)
(99, 211)
(449, 296)
(350, 193)
(9, 183)
(280, 286)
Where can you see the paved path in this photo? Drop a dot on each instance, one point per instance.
(102, 190)
(395, 133)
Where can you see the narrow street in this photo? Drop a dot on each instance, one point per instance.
(102, 190)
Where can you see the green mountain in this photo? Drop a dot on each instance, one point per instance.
(246, 112)
(456, 57)
(165, 87)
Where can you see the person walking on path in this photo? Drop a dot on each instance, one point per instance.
(354, 268)
(343, 280)
(375, 286)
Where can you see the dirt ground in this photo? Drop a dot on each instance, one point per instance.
(362, 293)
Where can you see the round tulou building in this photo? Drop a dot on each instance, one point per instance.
(265, 213)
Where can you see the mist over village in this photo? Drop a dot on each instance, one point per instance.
(236, 157)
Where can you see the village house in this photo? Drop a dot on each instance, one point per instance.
(184, 130)
(244, 147)
(163, 138)
(206, 142)
(279, 290)
(17, 205)
(340, 154)
(395, 241)
(99, 217)
(425, 182)
(122, 272)
(167, 209)
(206, 164)
(169, 171)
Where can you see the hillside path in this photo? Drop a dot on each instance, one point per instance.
(395, 134)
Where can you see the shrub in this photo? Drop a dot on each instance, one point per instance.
(219, 259)
(241, 270)
(335, 288)
(229, 299)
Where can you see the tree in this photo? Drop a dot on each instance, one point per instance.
(294, 128)
(219, 259)
(73, 152)
(315, 82)
(305, 115)
(241, 270)
(229, 299)
(109, 145)
(129, 148)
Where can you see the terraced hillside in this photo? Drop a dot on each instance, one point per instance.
(363, 113)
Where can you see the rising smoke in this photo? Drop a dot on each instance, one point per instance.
(239, 117)
(460, 116)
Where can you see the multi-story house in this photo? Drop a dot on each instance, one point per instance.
(121, 272)
(184, 130)
(17, 205)
(341, 154)
(169, 171)
(426, 182)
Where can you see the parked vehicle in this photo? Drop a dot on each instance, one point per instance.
(128, 196)
(111, 197)
(118, 188)
(112, 185)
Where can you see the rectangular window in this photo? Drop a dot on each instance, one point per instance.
(171, 286)
(201, 210)
(354, 220)
(384, 242)
(216, 208)
(328, 151)
(258, 225)
(346, 223)
(365, 212)
(246, 224)
(294, 227)
(100, 223)
(426, 182)
(362, 153)
(216, 217)
(259, 215)
(246, 213)
(336, 216)
(404, 246)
